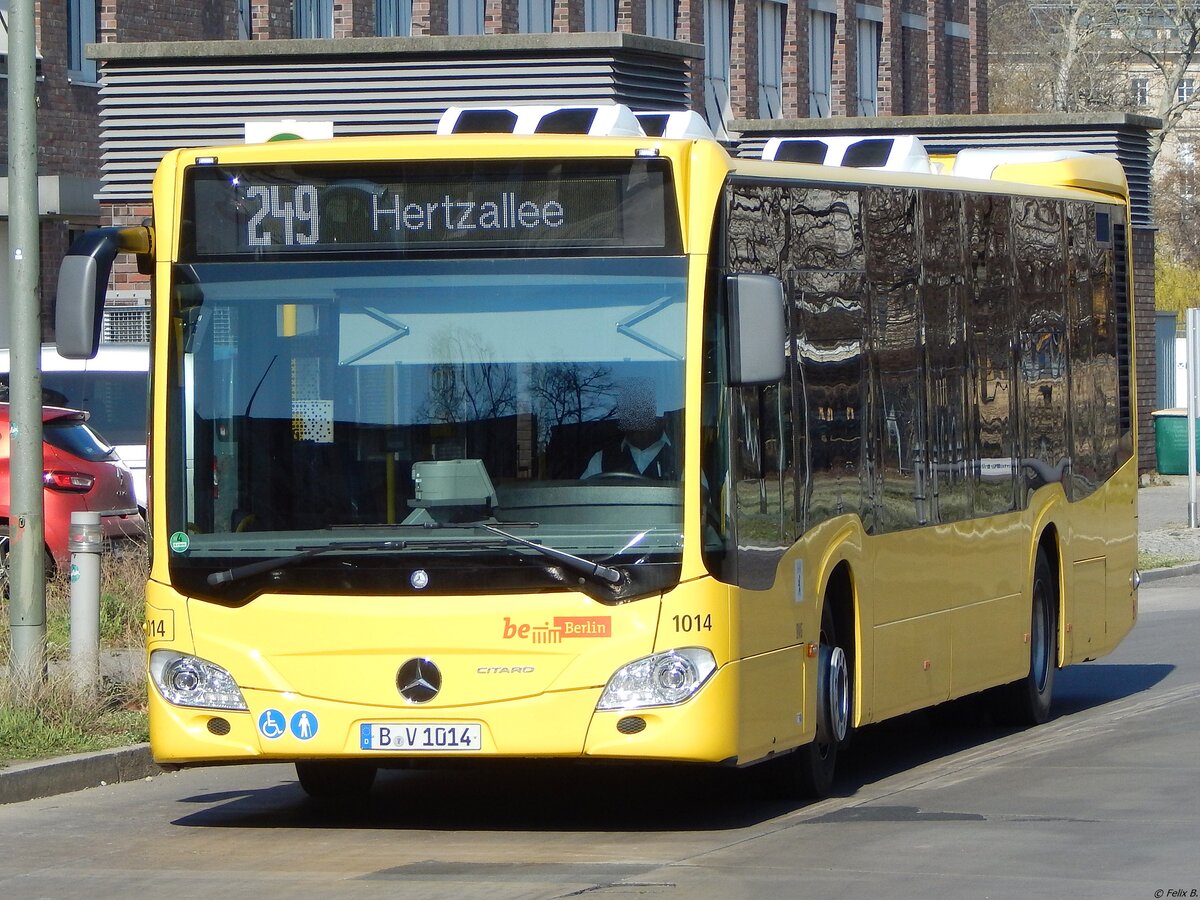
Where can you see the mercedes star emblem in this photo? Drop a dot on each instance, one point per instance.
(419, 680)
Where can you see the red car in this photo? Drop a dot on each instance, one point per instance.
(80, 471)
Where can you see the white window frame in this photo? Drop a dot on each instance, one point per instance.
(822, 28)
(82, 27)
(312, 19)
(772, 19)
(465, 16)
(660, 19)
(870, 36)
(1139, 90)
(717, 53)
(1185, 90)
(393, 18)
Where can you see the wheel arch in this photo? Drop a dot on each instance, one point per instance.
(1049, 543)
(840, 594)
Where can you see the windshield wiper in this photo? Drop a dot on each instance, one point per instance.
(578, 564)
(584, 567)
(267, 565)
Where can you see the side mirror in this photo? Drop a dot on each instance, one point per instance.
(83, 281)
(757, 330)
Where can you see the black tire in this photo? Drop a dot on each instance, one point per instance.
(343, 781)
(814, 763)
(6, 560)
(1027, 700)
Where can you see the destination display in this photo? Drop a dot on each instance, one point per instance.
(605, 205)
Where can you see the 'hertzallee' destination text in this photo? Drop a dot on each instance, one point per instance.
(450, 214)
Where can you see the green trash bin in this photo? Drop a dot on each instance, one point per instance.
(1170, 441)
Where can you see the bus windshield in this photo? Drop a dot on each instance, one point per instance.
(393, 405)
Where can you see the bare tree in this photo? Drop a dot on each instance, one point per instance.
(1082, 54)
(569, 392)
(1056, 57)
(469, 385)
(1176, 190)
(1163, 35)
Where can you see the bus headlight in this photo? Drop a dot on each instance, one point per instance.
(663, 679)
(191, 681)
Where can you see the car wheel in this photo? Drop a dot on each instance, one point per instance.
(6, 560)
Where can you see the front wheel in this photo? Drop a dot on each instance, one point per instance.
(815, 762)
(335, 780)
(1027, 701)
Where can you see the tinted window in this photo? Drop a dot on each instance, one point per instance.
(116, 400)
(75, 437)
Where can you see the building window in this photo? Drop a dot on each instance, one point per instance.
(772, 16)
(599, 15)
(822, 27)
(1186, 90)
(660, 19)
(534, 16)
(718, 27)
(1139, 89)
(393, 18)
(465, 16)
(870, 41)
(313, 19)
(81, 31)
(243, 20)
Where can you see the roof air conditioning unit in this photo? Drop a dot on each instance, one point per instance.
(674, 124)
(982, 163)
(903, 153)
(607, 120)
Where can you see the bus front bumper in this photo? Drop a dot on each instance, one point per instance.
(562, 724)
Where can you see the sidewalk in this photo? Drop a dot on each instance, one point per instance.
(1162, 530)
(1163, 527)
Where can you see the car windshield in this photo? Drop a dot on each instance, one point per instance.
(392, 405)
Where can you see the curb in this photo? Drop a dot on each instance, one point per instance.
(1171, 572)
(64, 774)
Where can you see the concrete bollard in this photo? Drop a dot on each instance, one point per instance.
(85, 540)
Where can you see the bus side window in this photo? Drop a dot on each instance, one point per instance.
(991, 432)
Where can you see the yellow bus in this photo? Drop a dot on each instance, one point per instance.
(477, 446)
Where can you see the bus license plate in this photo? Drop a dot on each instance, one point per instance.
(419, 736)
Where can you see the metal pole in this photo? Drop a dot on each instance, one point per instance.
(27, 590)
(1192, 322)
(85, 540)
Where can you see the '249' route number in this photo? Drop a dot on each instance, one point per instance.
(695, 622)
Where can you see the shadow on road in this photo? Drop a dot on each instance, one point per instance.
(557, 796)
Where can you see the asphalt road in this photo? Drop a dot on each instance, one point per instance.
(1103, 801)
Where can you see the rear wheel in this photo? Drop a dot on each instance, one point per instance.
(815, 762)
(6, 560)
(335, 780)
(1027, 701)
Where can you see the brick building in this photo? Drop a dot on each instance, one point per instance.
(760, 59)
(192, 74)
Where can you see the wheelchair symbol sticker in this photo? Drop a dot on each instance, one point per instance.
(304, 725)
(272, 724)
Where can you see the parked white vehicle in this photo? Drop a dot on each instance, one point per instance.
(112, 387)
